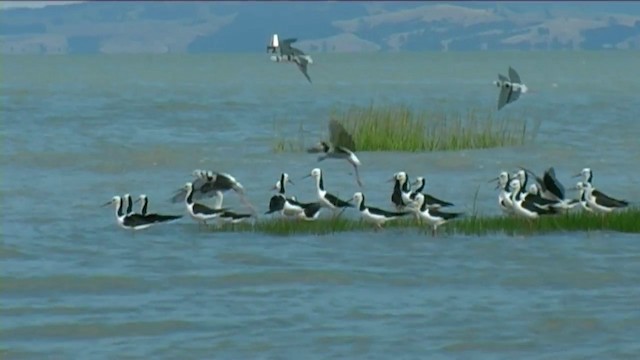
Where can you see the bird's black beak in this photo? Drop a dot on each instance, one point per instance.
(290, 181)
(137, 201)
(107, 203)
(576, 175)
(492, 180)
(306, 176)
(391, 180)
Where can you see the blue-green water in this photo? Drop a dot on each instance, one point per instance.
(78, 130)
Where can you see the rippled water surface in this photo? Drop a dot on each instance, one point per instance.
(77, 130)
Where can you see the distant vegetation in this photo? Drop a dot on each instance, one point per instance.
(398, 128)
(623, 221)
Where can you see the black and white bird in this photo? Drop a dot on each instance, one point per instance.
(433, 217)
(401, 194)
(200, 213)
(564, 204)
(117, 201)
(510, 88)
(598, 201)
(129, 221)
(291, 206)
(431, 201)
(326, 199)
(207, 183)
(528, 205)
(549, 187)
(340, 146)
(294, 209)
(157, 217)
(372, 215)
(504, 198)
(582, 196)
(289, 53)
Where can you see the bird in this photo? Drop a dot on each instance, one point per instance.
(564, 204)
(550, 188)
(401, 190)
(372, 215)
(291, 207)
(527, 205)
(504, 198)
(431, 201)
(207, 183)
(117, 201)
(340, 146)
(510, 88)
(433, 217)
(326, 199)
(599, 201)
(129, 221)
(199, 212)
(290, 54)
(157, 217)
(582, 196)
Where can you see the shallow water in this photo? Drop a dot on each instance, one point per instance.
(78, 129)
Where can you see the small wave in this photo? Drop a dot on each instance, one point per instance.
(98, 330)
(96, 284)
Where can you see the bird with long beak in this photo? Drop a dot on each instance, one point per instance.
(433, 217)
(327, 200)
(341, 146)
(504, 198)
(598, 201)
(375, 216)
(400, 196)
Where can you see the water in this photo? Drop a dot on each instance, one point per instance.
(77, 130)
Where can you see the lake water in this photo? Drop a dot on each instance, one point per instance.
(77, 130)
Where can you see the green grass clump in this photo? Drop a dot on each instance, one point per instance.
(627, 221)
(398, 128)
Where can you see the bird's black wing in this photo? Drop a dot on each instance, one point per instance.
(608, 201)
(385, 213)
(444, 215)
(285, 46)
(503, 98)
(302, 66)
(202, 209)
(513, 75)
(336, 201)
(339, 136)
(161, 218)
(552, 184)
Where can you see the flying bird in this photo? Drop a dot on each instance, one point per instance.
(340, 146)
(289, 53)
(510, 88)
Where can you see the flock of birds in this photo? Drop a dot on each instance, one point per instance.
(545, 197)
